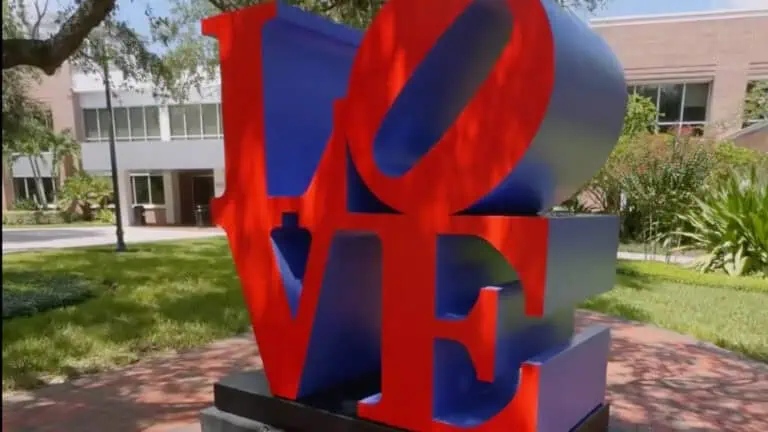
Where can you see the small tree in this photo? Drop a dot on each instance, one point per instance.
(82, 193)
(756, 102)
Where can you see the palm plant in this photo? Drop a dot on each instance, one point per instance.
(730, 222)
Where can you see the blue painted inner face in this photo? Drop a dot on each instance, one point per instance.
(307, 69)
(465, 264)
(442, 85)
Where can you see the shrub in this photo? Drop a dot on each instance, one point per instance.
(38, 217)
(730, 222)
(105, 215)
(28, 204)
(27, 293)
(648, 179)
(729, 157)
(84, 192)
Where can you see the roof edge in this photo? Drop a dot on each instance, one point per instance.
(677, 17)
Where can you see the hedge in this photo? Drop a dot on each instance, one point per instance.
(38, 217)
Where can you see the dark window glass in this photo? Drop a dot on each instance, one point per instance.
(137, 123)
(177, 121)
(104, 122)
(670, 102)
(152, 116)
(210, 120)
(122, 131)
(91, 120)
(20, 189)
(140, 189)
(194, 122)
(649, 91)
(158, 189)
(48, 188)
(696, 98)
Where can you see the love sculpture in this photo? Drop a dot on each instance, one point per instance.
(384, 204)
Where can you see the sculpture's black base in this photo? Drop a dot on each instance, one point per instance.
(243, 403)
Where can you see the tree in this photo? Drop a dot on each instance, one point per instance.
(195, 60)
(77, 21)
(49, 53)
(756, 102)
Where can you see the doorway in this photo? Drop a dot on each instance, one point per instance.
(202, 193)
(195, 188)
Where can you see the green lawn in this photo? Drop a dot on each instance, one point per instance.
(172, 296)
(60, 225)
(157, 297)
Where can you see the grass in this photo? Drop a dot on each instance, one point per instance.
(157, 297)
(734, 320)
(172, 296)
(672, 273)
(27, 293)
(59, 225)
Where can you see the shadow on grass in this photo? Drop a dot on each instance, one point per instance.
(157, 297)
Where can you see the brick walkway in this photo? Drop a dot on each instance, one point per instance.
(657, 379)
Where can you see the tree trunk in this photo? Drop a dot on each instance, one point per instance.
(43, 202)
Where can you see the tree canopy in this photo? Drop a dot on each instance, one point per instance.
(75, 22)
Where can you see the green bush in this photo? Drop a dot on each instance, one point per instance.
(730, 222)
(105, 215)
(27, 293)
(38, 217)
(28, 205)
(86, 193)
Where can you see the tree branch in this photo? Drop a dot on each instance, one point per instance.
(50, 53)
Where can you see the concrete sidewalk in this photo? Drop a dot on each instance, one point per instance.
(31, 239)
(66, 237)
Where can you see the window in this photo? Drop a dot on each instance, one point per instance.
(25, 189)
(147, 189)
(130, 124)
(681, 107)
(756, 102)
(196, 121)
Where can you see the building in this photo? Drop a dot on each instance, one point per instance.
(56, 92)
(695, 67)
(170, 156)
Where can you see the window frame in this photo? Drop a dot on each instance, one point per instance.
(747, 122)
(677, 125)
(148, 176)
(103, 134)
(30, 190)
(187, 136)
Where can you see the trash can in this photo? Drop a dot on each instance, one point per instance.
(202, 218)
(139, 215)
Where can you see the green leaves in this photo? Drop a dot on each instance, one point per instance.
(731, 222)
(756, 102)
(86, 192)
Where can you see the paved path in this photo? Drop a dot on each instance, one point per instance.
(657, 380)
(638, 256)
(27, 239)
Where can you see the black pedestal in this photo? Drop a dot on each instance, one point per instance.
(243, 403)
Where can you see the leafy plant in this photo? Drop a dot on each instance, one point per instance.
(83, 192)
(731, 223)
(27, 204)
(105, 215)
